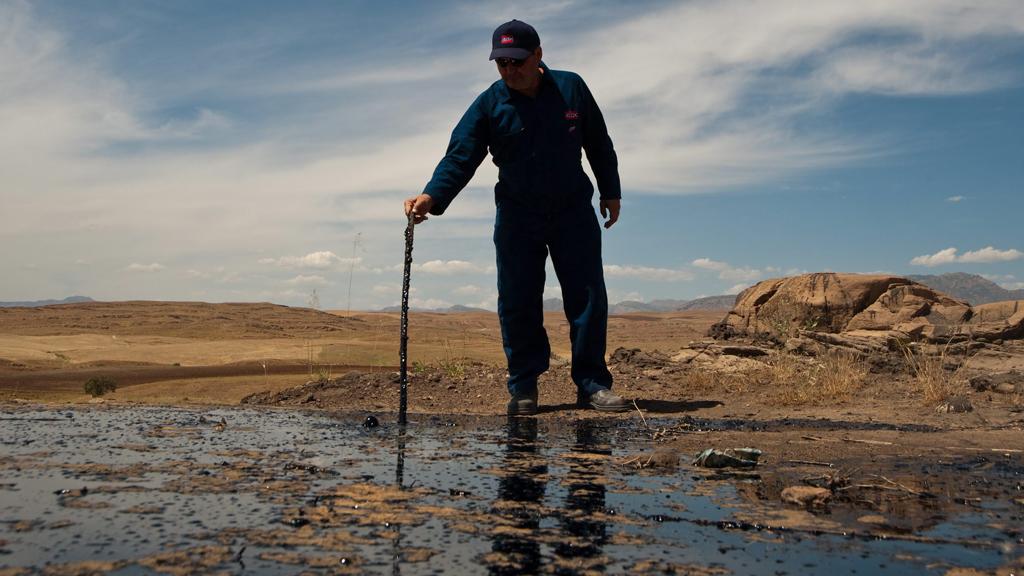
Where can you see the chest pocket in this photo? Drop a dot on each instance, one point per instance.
(509, 145)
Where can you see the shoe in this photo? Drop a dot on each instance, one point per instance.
(604, 400)
(524, 404)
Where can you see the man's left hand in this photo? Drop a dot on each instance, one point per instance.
(610, 211)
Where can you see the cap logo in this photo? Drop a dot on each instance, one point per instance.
(507, 39)
(572, 115)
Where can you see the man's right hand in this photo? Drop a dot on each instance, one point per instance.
(419, 207)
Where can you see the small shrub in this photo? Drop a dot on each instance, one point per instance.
(452, 367)
(99, 386)
(418, 367)
(322, 375)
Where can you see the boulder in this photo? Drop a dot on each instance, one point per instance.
(824, 301)
(869, 310)
(914, 309)
(997, 321)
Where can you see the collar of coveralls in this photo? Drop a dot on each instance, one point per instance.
(508, 93)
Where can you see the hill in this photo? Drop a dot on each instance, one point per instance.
(174, 319)
(37, 303)
(624, 307)
(972, 288)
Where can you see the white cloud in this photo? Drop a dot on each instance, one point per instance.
(954, 199)
(946, 256)
(386, 290)
(154, 267)
(737, 288)
(311, 280)
(646, 273)
(950, 256)
(990, 254)
(449, 267)
(698, 96)
(320, 260)
(736, 76)
(727, 271)
(468, 290)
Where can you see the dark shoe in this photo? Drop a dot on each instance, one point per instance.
(523, 404)
(604, 400)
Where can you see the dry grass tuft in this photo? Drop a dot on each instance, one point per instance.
(833, 376)
(934, 380)
(841, 374)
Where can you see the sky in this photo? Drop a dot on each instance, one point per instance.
(260, 151)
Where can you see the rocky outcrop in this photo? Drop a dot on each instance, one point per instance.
(865, 307)
(915, 310)
(824, 302)
(997, 321)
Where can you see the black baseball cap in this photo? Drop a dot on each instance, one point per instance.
(514, 39)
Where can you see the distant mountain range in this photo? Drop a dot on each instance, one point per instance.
(624, 307)
(969, 287)
(35, 303)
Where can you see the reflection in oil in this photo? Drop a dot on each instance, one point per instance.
(520, 493)
(585, 532)
(581, 531)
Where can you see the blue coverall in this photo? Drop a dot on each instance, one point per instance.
(543, 200)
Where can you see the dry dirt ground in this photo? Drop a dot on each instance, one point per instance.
(195, 353)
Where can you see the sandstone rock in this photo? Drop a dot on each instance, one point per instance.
(1010, 382)
(1005, 388)
(914, 309)
(801, 346)
(957, 404)
(820, 301)
(638, 358)
(742, 351)
(809, 496)
(997, 321)
(870, 312)
(686, 355)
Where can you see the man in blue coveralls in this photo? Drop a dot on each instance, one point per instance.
(536, 121)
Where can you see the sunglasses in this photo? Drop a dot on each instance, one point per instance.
(505, 62)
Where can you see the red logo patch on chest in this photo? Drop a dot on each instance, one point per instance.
(572, 115)
(507, 39)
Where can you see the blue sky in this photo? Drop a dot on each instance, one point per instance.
(256, 151)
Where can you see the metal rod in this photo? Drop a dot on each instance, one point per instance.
(403, 347)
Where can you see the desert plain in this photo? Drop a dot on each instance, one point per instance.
(896, 447)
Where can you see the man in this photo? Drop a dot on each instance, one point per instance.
(536, 121)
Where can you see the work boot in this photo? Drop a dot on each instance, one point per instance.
(604, 400)
(523, 404)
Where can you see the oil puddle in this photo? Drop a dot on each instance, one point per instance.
(179, 491)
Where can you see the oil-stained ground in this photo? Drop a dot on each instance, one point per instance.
(262, 490)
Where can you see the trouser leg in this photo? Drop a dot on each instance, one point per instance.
(521, 256)
(575, 242)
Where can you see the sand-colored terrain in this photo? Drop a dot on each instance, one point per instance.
(168, 352)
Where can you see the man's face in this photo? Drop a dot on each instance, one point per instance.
(523, 76)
